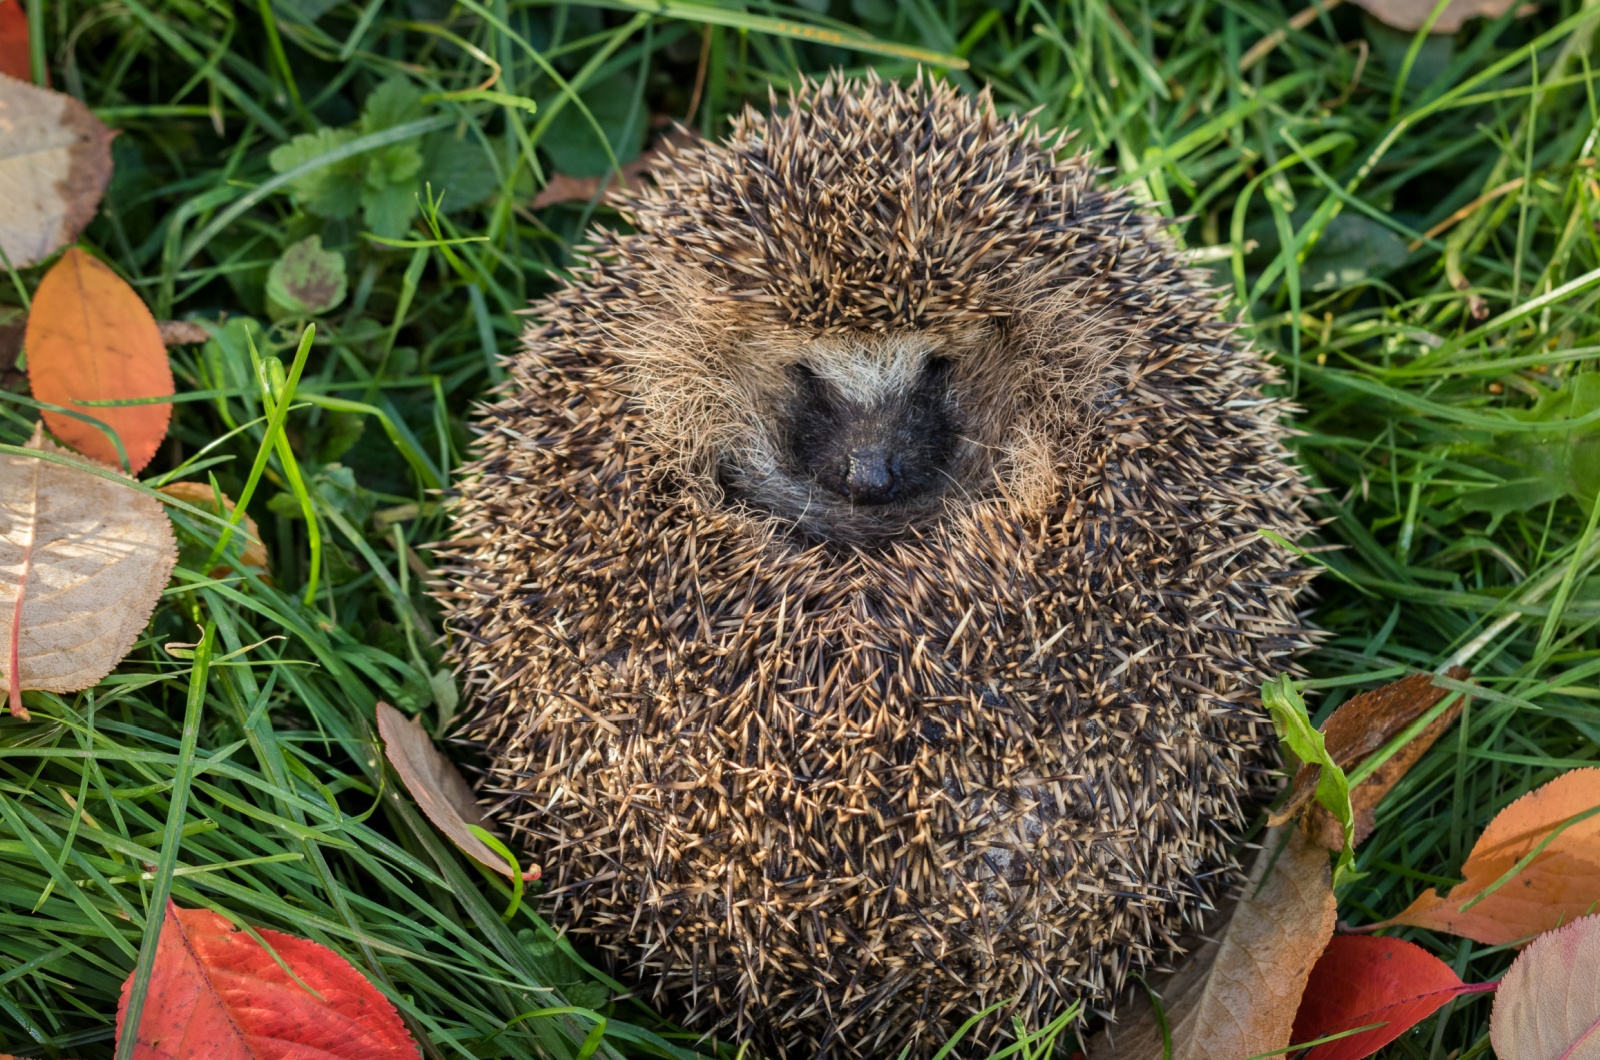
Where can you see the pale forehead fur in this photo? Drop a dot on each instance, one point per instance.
(711, 388)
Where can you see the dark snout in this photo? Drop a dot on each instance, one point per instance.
(872, 475)
(891, 450)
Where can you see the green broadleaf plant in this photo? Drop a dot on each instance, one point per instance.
(1293, 722)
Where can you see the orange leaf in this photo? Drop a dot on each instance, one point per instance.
(252, 552)
(90, 338)
(217, 993)
(15, 58)
(1561, 882)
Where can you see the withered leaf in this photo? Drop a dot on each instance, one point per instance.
(88, 558)
(1237, 996)
(181, 332)
(1548, 1004)
(1360, 727)
(1411, 15)
(436, 784)
(55, 162)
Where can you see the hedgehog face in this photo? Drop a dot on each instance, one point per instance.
(861, 588)
(859, 437)
(872, 439)
(856, 439)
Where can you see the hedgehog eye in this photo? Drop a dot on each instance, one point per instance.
(809, 383)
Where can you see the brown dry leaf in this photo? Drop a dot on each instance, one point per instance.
(55, 161)
(1562, 881)
(181, 332)
(83, 561)
(1409, 15)
(1357, 729)
(1548, 1004)
(562, 188)
(1237, 995)
(200, 494)
(436, 784)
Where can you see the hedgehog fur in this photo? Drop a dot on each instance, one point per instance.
(862, 584)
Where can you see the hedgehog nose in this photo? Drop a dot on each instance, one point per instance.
(871, 478)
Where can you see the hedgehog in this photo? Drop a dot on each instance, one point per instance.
(862, 584)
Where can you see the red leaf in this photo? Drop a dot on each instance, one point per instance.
(1361, 980)
(15, 58)
(216, 993)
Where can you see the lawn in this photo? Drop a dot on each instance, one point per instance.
(1407, 222)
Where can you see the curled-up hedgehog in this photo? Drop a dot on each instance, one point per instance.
(863, 583)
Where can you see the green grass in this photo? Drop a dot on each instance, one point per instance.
(1409, 223)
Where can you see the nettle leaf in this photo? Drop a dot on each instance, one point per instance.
(394, 102)
(460, 168)
(306, 281)
(1541, 466)
(329, 191)
(1293, 722)
(382, 183)
(570, 141)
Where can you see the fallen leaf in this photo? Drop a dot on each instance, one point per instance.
(436, 784)
(563, 188)
(16, 60)
(1411, 15)
(253, 553)
(306, 281)
(1361, 980)
(1361, 726)
(55, 161)
(217, 993)
(83, 561)
(181, 332)
(1548, 1004)
(90, 338)
(1237, 996)
(1560, 882)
